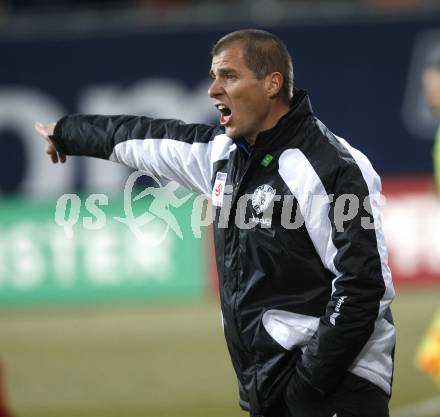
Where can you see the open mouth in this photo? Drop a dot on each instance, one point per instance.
(225, 114)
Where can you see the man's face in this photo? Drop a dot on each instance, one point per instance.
(431, 86)
(240, 97)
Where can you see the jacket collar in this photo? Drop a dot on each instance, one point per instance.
(300, 109)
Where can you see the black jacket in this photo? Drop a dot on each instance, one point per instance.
(304, 281)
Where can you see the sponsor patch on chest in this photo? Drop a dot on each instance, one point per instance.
(218, 190)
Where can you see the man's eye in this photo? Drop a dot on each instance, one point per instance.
(231, 76)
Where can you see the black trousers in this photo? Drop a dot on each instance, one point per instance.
(355, 397)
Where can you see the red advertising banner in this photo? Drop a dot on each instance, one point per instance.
(411, 220)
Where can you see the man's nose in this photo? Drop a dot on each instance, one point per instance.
(214, 89)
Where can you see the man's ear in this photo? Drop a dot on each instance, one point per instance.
(274, 82)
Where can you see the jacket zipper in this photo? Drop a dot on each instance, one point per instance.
(238, 185)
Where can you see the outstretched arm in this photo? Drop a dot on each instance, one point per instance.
(165, 148)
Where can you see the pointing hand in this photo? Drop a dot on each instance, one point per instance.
(46, 131)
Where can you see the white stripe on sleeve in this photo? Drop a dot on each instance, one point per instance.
(190, 164)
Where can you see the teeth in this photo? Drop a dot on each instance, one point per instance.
(223, 109)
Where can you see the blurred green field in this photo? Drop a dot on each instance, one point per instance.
(157, 360)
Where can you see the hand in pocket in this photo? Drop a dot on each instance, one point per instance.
(303, 400)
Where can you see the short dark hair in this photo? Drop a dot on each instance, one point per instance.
(264, 53)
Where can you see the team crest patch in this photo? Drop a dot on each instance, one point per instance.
(262, 197)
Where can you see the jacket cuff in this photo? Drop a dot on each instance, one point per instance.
(56, 138)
